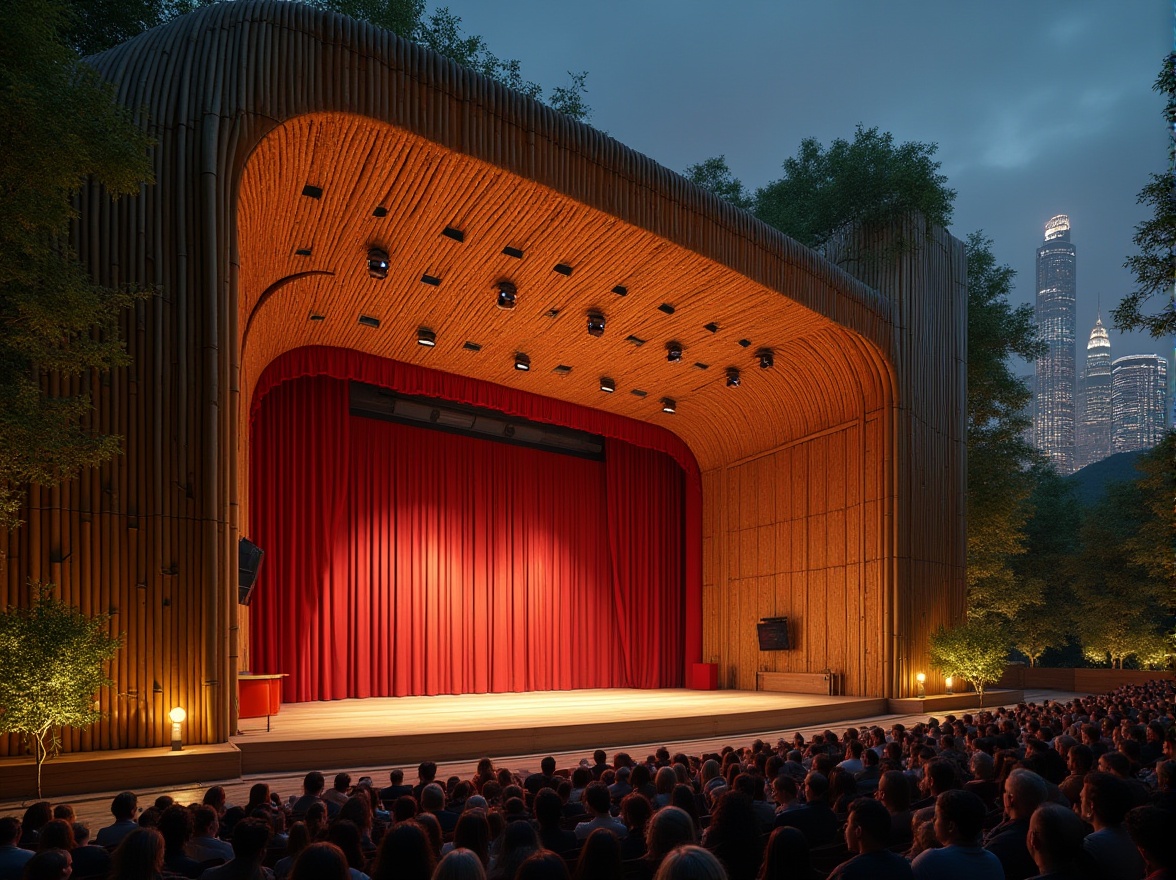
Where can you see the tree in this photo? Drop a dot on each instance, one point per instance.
(975, 651)
(1152, 546)
(714, 174)
(865, 182)
(1154, 267)
(61, 128)
(52, 656)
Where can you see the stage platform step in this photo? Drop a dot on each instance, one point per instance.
(940, 703)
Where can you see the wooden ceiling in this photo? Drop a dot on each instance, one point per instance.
(303, 281)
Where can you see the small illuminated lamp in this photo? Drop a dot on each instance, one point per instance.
(522, 362)
(766, 358)
(947, 681)
(426, 337)
(377, 263)
(607, 385)
(733, 379)
(595, 324)
(177, 716)
(922, 680)
(507, 295)
(673, 352)
(668, 405)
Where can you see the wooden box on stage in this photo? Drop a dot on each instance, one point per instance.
(259, 696)
(704, 677)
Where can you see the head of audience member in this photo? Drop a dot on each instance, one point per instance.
(787, 856)
(56, 834)
(345, 834)
(204, 822)
(460, 864)
(816, 788)
(426, 772)
(432, 798)
(313, 783)
(690, 863)
(982, 766)
(669, 828)
(139, 855)
(64, 811)
(636, 812)
(959, 818)
(894, 791)
(1055, 838)
(124, 806)
(867, 828)
(939, 775)
(176, 824)
(49, 864)
(1024, 792)
(784, 791)
(472, 832)
(544, 865)
(163, 802)
(320, 861)
(597, 799)
(1106, 798)
(215, 798)
(433, 829)
(600, 857)
(405, 854)
(1150, 828)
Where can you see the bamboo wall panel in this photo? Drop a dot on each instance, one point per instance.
(251, 101)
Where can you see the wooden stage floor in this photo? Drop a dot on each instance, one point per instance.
(407, 730)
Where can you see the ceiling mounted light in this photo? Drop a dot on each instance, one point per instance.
(766, 358)
(607, 385)
(377, 262)
(668, 405)
(595, 324)
(732, 377)
(426, 337)
(522, 362)
(507, 295)
(673, 352)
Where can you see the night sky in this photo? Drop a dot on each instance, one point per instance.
(1038, 109)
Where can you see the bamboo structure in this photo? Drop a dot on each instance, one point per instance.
(290, 141)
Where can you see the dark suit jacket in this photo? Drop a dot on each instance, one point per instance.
(816, 821)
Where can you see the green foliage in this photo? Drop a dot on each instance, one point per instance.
(715, 175)
(1154, 267)
(1152, 545)
(402, 17)
(52, 656)
(97, 25)
(975, 651)
(869, 181)
(999, 476)
(61, 128)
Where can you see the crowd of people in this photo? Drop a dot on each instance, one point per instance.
(1081, 790)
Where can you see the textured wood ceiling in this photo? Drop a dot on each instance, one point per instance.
(824, 374)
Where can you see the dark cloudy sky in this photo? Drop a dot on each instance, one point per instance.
(1038, 108)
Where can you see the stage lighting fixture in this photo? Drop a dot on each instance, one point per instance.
(507, 295)
(426, 337)
(607, 385)
(522, 362)
(595, 324)
(673, 352)
(377, 262)
(766, 358)
(668, 405)
(733, 379)
(177, 716)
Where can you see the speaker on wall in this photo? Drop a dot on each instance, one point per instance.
(773, 634)
(248, 562)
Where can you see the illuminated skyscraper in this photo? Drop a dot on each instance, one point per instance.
(1053, 420)
(1094, 426)
(1139, 388)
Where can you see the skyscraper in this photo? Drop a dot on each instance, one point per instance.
(1093, 439)
(1053, 421)
(1139, 388)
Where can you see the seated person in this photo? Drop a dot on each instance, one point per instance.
(124, 807)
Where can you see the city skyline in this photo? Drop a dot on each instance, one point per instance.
(1055, 413)
(1036, 111)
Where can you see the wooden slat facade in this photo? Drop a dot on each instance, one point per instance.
(832, 482)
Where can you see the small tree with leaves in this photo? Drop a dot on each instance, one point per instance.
(975, 651)
(53, 659)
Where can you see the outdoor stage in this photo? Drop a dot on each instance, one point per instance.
(407, 730)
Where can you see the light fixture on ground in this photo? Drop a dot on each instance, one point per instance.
(377, 262)
(733, 379)
(522, 362)
(177, 716)
(595, 324)
(507, 295)
(607, 385)
(669, 405)
(948, 684)
(922, 680)
(426, 337)
(766, 358)
(673, 352)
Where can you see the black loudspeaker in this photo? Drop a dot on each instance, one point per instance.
(773, 634)
(248, 562)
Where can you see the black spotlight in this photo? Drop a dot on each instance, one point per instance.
(595, 324)
(766, 358)
(732, 377)
(507, 295)
(673, 352)
(377, 262)
(668, 405)
(426, 337)
(522, 362)
(607, 385)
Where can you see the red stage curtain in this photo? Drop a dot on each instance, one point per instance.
(407, 561)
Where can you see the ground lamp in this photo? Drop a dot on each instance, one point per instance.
(177, 716)
(922, 680)
(947, 681)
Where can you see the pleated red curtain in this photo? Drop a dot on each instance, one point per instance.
(401, 560)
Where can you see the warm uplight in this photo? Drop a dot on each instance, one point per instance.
(922, 680)
(947, 681)
(178, 715)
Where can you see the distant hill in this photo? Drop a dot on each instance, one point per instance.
(1091, 482)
